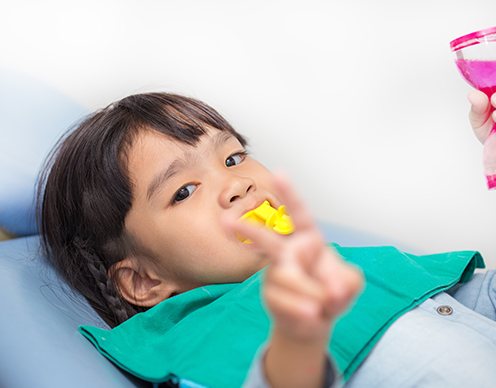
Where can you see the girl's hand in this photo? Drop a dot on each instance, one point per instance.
(307, 284)
(482, 114)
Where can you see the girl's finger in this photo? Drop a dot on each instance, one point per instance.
(344, 283)
(266, 240)
(300, 215)
(289, 305)
(295, 280)
(307, 249)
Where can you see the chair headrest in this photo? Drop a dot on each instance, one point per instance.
(33, 115)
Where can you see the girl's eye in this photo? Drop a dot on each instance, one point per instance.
(184, 192)
(236, 158)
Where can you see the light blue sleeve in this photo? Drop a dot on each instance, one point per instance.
(256, 376)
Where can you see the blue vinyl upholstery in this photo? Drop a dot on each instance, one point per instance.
(33, 115)
(39, 319)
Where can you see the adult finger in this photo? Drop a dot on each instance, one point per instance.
(493, 103)
(480, 115)
(479, 108)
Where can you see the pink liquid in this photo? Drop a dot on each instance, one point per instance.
(480, 74)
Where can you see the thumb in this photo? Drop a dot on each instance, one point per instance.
(480, 114)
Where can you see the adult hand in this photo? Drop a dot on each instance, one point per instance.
(482, 114)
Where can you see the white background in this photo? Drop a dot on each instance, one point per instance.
(358, 101)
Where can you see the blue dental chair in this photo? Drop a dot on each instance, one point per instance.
(39, 314)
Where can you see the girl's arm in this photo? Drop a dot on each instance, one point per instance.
(290, 363)
(257, 377)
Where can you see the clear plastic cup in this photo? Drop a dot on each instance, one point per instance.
(476, 59)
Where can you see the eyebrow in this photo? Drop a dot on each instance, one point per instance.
(180, 164)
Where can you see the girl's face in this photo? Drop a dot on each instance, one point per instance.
(181, 193)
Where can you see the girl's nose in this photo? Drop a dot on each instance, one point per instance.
(236, 187)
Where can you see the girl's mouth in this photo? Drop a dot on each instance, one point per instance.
(275, 219)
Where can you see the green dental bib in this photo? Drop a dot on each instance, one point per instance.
(210, 335)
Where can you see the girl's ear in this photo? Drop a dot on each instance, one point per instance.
(139, 285)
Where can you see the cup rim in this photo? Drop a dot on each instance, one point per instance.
(471, 39)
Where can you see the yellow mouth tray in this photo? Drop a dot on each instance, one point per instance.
(275, 219)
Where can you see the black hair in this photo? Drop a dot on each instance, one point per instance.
(84, 191)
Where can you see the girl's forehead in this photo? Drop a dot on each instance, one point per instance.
(150, 140)
(148, 137)
(152, 147)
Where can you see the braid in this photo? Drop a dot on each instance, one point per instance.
(120, 309)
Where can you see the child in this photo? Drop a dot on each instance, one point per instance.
(121, 227)
(140, 206)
